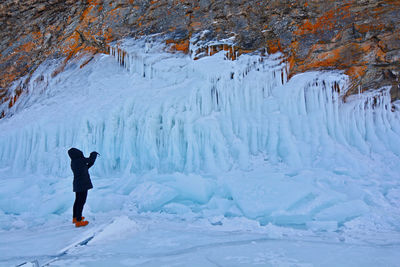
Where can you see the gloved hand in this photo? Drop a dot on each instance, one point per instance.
(94, 152)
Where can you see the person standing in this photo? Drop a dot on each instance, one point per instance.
(82, 183)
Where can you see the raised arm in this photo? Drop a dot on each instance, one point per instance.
(91, 159)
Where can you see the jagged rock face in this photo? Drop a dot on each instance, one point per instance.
(360, 37)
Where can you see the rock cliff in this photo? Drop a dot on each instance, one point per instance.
(361, 37)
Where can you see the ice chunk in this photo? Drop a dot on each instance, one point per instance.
(177, 208)
(343, 212)
(120, 228)
(192, 188)
(151, 196)
(105, 202)
(273, 192)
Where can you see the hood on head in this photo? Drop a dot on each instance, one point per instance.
(75, 153)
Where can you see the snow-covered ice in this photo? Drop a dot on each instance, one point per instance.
(206, 162)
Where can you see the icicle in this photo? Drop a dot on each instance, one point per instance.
(221, 118)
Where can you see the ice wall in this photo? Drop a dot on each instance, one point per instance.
(166, 112)
(209, 138)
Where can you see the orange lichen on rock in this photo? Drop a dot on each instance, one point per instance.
(8, 77)
(242, 51)
(356, 72)
(291, 61)
(347, 57)
(38, 35)
(327, 21)
(183, 46)
(327, 59)
(26, 47)
(367, 27)
(273, 46)
(108, 35)
(14, 98)
(71, 43)
(86, 14)
(178, 45)
(196, 25)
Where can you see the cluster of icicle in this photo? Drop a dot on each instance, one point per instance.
(225, 115)
(256, 111)
(134, 62)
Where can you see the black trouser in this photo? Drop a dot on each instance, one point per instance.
(80, 200)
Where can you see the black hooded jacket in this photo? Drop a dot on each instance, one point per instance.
(80, 167)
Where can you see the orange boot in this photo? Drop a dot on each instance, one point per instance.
(75, 221)
(81, 223)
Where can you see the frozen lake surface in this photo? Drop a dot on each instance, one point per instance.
(155, 240)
